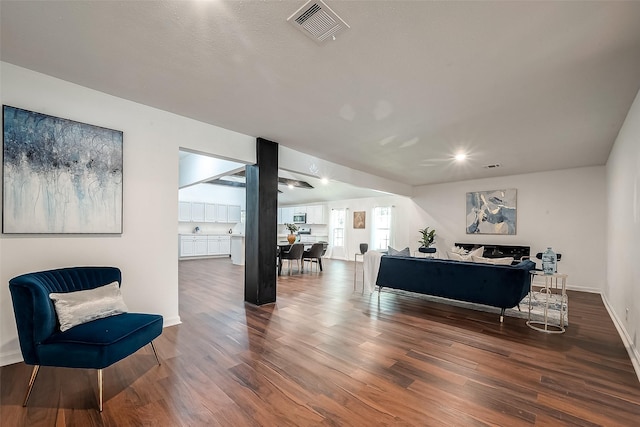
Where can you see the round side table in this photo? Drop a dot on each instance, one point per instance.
(550, 280)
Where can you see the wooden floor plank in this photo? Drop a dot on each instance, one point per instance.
(324, 355)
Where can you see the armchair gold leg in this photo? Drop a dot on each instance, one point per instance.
(100, 389)
(155, 353)
(32, 380)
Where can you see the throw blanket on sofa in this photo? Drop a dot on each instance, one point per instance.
(371, 265)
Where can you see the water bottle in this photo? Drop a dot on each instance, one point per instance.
(549, 261)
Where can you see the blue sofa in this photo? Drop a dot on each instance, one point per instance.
(95, 344)
(501, 286)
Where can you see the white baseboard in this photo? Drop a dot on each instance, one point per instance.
(634, 355)
(590, 290)
(171, 321)
(9, 358)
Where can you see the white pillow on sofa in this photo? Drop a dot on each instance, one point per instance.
(466, 257)
(75, 308)
(494, 261)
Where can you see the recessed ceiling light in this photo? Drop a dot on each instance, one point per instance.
(290, 186)
(325, 181)
(460, 157)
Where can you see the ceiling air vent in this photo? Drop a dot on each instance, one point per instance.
(317, 21)
(493, 166)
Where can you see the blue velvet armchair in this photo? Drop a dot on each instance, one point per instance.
(96, 344)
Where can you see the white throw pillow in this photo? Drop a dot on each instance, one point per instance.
(495, 261)
(455, 255)
(75, 308)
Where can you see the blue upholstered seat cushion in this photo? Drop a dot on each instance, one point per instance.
(100, 343)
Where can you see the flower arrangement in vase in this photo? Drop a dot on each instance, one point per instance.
(291, 238)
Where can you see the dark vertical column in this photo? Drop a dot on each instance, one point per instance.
(261, 219)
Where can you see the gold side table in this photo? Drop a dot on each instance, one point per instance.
(550, 280)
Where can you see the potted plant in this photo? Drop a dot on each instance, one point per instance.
(291, 238)
(428, 236)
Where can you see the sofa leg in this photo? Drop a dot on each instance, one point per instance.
(502, 316)
(100, 390)
(32, 380)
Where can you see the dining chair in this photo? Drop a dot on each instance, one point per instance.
(294, 253)
(314, 254)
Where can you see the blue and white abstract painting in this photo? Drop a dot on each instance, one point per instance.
(491, 212)
(60, 176)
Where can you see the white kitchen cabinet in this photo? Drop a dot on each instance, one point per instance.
(197, 211)
(187, 246)
(193, 245)
(204, 245)
(184, 211)
(222, 214)
(287, 215)
(299, 210)
(316, 214)
(200, 245)
(234, 213)
(210, 212)
(218, 245)
(225, 245)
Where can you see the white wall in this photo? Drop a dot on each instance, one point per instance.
(622, 286)
(147, 251)
(403, 232)
(563, 209)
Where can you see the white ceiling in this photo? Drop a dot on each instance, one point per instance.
(532, 86)
(321, 191)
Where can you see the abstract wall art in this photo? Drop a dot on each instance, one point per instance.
(491, 212)
(60, 176)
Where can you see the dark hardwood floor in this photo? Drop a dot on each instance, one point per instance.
(326, 355)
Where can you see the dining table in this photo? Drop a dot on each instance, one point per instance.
(284, 246)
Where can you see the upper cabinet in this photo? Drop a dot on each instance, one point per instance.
(234, 213)
(208, 212)
(184, 211)
(223, 213)
(316, 214)
(197, 212)
(287, 215)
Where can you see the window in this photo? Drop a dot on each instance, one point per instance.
(382, 227)
(337, 222)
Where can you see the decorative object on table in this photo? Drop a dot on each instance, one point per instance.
(491, 212)
(549, 261)
(364, 247)
(60, 176)
(196, 230)
(428, 236)
(293, 228)
(359, 219)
